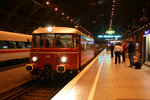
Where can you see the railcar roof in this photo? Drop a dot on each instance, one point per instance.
(60, 30)
(10, 36)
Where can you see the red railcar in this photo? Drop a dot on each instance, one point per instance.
(58, 49)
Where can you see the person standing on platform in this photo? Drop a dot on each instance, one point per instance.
(112, 50)
(117, 50)
(124, 47)
(131, 50)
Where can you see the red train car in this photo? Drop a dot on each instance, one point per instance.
(58, 49)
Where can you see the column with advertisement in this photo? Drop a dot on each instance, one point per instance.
(147, 36)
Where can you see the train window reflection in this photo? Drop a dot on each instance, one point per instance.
(14, 44)
(38, 41)
(3, 45)
(64, 41)
(49, 42)
(86, 45)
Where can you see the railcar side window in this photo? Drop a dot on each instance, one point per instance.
(86, 44)
(12, 44)
(38, 41)
(64, 41)
(83, 44)
(49, 42)
(21, 45)
(90, 45)
(2, 45)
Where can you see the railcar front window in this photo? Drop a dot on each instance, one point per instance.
(49, 42)
(64, 41)
(38, 41)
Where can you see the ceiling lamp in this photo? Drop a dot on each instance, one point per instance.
(47, 2)
(143, 19)
(67, 17)
(56, 9)
(112, 14)
(62, 13)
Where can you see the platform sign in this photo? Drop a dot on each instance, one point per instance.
(110, 31)
(109, 36)
(146, 32)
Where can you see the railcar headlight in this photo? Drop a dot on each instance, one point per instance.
(34, 58)
(63, 59)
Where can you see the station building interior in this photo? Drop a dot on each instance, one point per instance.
(105, 21)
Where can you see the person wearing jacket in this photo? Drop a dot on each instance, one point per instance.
(112, 50)
(124, 47)
(117, 51)
(131, 50)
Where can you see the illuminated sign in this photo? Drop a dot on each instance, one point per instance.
(109, 36)
(146, 32)
(110, 31)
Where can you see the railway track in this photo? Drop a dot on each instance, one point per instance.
(37, 89)
(19, 90)
(46, 89)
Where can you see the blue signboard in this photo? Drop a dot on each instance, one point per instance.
(146, 32)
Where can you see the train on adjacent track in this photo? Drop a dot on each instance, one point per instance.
(14, 46)
(59, 50)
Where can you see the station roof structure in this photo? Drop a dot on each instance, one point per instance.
(24, 16)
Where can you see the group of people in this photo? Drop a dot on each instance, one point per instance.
(121, 49)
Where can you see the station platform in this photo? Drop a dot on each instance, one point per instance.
(104, 80)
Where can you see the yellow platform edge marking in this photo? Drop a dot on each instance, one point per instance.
(62, 94)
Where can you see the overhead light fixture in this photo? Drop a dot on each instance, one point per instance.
(62, 13)
(47, 2)
(56, 9)
(112, 14)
